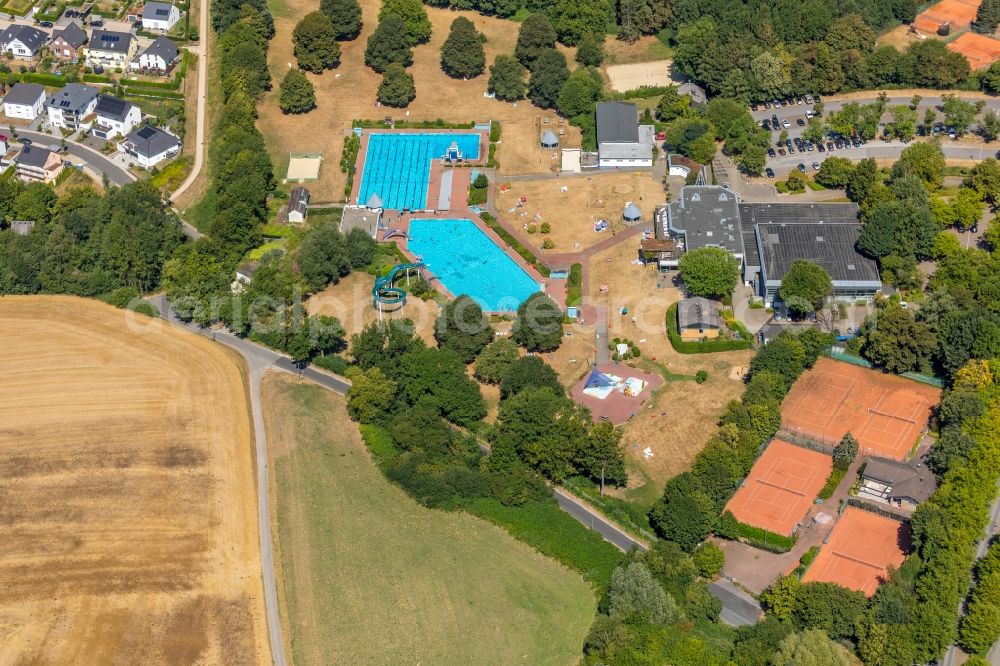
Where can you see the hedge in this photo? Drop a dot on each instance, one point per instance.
(95, 78)
(508, 238)
(43, 79)
(155, 94)
(412, 124)
(335, 364)
(758, 537)
(831, 483)
(703, 347)
(574, 286)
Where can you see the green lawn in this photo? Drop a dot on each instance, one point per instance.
(371, 577)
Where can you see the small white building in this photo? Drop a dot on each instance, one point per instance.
(22, 41)
(159, 16)
(298, 205)
(72, 107)
(115, 117)
(148, 146)
(24, 101)
(157, 58)
(621, 140)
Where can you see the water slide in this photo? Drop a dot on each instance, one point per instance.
(384, 292)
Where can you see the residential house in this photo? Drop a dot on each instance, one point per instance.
(24, 101)
(68, 41)
(114, 117)
(157, 58)
(22, 41)
(72, 107)
(160, 16)
(903, 484)
(149, 146)
(38, 164)
(621, 140)
(108, 48)
(695, 92)
(698, 319)
(298, 205)
(244, 273)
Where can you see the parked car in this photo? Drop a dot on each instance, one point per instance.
(974, 228)
(770, 152)
(767, 105)
(820, 147)
(810, 113)
(800, 122)
(769, 172)
(56, 148)
(26, 141)
(782, 152)
(97, 24)
(46, 24)
(774, 120)
(766, 124)
(753, 107)
(791, 151)
(815, 166)
(809, 99)
(801, 167)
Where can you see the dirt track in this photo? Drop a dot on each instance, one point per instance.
(127, 499)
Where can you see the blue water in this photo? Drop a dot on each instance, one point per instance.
(398, 165)
(466, 261)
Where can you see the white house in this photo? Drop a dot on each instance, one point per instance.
(115, 117)
(108, 48)
(71, 107)
(298, 205)
(159, 16)
(157, 58)
(148, 146)
(22, 41)
(25, 101)
(621, 140)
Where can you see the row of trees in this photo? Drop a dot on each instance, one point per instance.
(694, 132)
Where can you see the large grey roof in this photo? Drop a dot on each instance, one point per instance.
(158, 11)
(707, 215)
(828, 245)
(109, 40)
(72, 97)
(912, 480)
(150, 141)
(33, 156)
(697, 312)
(617, 122)
(759, 213)
(31, 37)
(112, 107)
(72, 34)
(24, 93)
(640, 150)
(163, 47)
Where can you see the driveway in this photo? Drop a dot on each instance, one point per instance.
(738, 607)
(80, 154)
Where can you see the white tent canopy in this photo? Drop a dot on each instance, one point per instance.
(632, 213)
(549, 139)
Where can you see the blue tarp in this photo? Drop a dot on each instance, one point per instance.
(598, 379)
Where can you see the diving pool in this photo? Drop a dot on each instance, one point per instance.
(398, 165)
(467, 261)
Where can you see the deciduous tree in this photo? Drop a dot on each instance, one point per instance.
(507, 79)
(297, 94)
(462, 55)
(711, 272)
(345, 15)
(539, 324)
(388, 45)
(534, 37)
(418, 26)
(805, 286)
(548, 75)
(315, 40)
(397, 88)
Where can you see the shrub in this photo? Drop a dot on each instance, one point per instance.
(701, 376)
(832, 481)
(703, 347)
(708, 559)
(730, 528)
(335, 364)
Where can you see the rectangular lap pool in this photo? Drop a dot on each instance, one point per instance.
(466, 261)
(398, 165)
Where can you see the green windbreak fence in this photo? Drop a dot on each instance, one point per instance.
(840, 355)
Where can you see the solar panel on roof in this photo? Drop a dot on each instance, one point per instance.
(162, 12)
(146, 132)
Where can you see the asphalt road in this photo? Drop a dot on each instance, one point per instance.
(738, 607)
(80, 153)
(199, 146)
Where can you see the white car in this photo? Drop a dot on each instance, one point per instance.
(810, 113)
(785, 123)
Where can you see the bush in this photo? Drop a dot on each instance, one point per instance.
(701, 376)
(335, 364)
(709, 559)
(730, 528)
(832, 481)
(525, 253)
(574, 286)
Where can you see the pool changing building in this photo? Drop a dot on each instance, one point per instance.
(768, 237)
(621, 140)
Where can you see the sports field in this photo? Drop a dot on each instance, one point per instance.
(859, 551)
(781, 487)
(884, 413)
(370, 577)
(980, 50)
(958, 14)
(128, 517)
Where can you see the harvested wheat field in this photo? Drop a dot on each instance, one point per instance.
(350, 301)
(681, 416)
(368, 576)
(572, 214)
(348, 93)
(128, 510)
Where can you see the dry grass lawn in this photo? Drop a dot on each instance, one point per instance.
(348, 93)
(128, 512)
(682, 415)
(572, 214)
(350, 301)
(371, 577)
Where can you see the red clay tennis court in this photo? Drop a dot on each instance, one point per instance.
(781, 487)
(859, 551)
(981, 51)
(885, 413)
(958, 14)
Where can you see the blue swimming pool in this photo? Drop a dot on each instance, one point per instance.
(398, 165)
(467, 261)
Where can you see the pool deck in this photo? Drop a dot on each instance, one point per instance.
(433, 187)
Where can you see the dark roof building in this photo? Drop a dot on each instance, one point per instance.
(112, 107)
(33, 156)
(162, 47)
(149, 142)
(25, 94)
(697, 312)
(897, 482)
(298, 204)
(31, 38)
(72, 97)
(72, 34)
(111, 41)
(159, 11)
(621, 140)
(704, 216)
